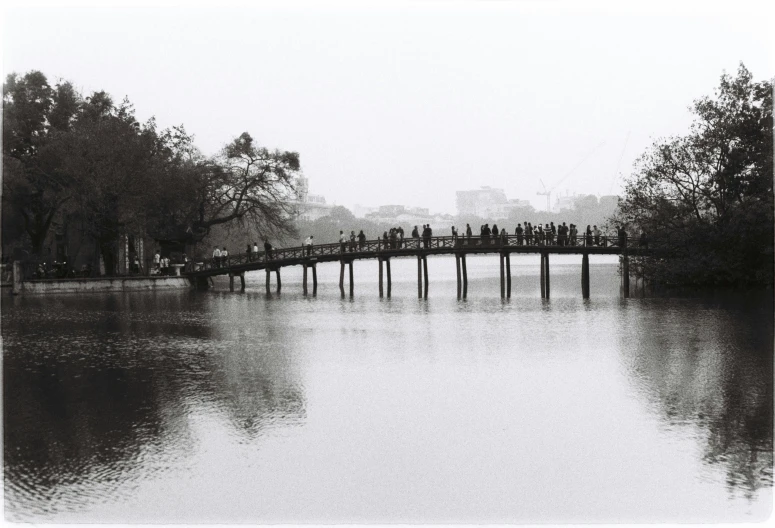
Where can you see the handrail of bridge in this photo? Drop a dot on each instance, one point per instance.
(381, 245)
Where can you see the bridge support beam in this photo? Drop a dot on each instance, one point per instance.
(546, 263)
(465, 275)
(425, 276)
(503, 275)
(585, 276)
(314, 280)
(352, 283)
(279, 282)
(626, 276)
(459, 278)
(304, 279)
(508, 275)
(268, 277)
(242, 281)
(231, 282)
(389, 280)
(419, 277)
(341, 277)
(381, 294)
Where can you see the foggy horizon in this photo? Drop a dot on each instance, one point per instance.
(407, 104)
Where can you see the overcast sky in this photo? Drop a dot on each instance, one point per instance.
(405, 104)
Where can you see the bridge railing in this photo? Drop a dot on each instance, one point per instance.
(387, 245)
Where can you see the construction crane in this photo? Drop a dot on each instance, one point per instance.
(548, 192)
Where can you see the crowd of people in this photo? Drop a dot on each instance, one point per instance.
(525, 234)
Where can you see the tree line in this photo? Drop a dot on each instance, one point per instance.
(705, 198)
(85, 163)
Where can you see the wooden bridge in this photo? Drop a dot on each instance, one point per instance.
(385, 250)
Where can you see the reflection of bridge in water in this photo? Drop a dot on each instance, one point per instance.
(385, 250)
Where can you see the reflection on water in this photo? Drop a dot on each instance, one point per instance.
(217, 406)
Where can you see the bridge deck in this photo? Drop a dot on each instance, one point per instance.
(375, 249)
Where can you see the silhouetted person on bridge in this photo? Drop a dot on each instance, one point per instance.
(225, 256)
(588, 236)
(643, 242)
(416, 237)
(352, 241)
(216, 258)
(267, 250)
(468, 234)
(385, 243)
(596, 234)
(519, 231)
(361, 240)
(495, 231)
(553, 230)
(622, 234)
(308, 245)
(342, 242)
(255, 250)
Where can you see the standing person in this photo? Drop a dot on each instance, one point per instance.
(622, 236)
(554, 232)
(361, 240)
(643, 242)
(352, 241)
(468, 234)
(216, 257)
(573, 234)
(539, 235)
(519, 232)
(385, 240)
(596, 233)
(255, 250)
(588, 236)
(563, 237)
(225, 256)
(454, 236)
(548, 234)
(342, 241)
(425, 236)
(308, 245)
(400, 237)
(495, 231)
(247, 252)
(393, 238)
(504, 237)
(157, 260)
(416, 237)
(267, 250)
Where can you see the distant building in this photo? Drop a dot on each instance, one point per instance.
(477, 202)
(310, 206)
(565, 203)
(360, 211)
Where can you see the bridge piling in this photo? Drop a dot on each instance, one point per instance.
(508, 275)
(279, 283)
(543, 278)
(503, 276)
(242, 281)
(625, 276)
(459, 284)
(268, 277)
(546, 261)
(352, 283)
(379, 259)
(389, 282)
(341, 277)
(419, 277)
(585, 276)
(231, 282)
(304, 279)
(425, 276)
(465, 275)
(314, 280)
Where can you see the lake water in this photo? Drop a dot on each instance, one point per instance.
(214, 406)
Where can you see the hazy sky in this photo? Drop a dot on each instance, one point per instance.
(407, 103)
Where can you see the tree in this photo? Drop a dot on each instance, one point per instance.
(246, 184)
(34, 189)
(705, 199)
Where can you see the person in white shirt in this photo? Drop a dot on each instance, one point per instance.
(216, 257)
(224, 257)
(255, 250)
(342, 241)
(157, 261)
(308, 245)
